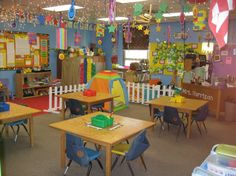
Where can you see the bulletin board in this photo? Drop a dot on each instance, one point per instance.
(152, 53)
(23, 50)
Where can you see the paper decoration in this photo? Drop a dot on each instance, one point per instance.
(72, 11)
(61, 38)
(41, 19)
(163, 7)
(61, 56)
(127, 33)
(100, 42)
(22, 44)
(224, 53)
(111, 28)
(140, 27)
(32, 38)
(146, 31)
(100, 30)
(138, 9)
(10, 54)
(200, 21)
(234, 51)
(77, 38)
(228, 60)
(112, 11)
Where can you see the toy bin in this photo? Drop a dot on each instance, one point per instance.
(220, 165)
(201, 172)
(224, 149)
(102, 121)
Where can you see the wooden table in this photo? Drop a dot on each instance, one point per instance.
(89, 101)
(188, 106)
(104, 137)
(19, 112)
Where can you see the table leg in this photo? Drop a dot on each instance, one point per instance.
(89, 108)
(189, 125)
(108, 160)
(63, 111)
(112, 105)
(31, 131)
(63, 156)
(151, 109)
(7, 130)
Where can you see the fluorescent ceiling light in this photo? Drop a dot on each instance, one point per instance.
(177, 14)
(116, 19)
(129, 1)
(61, 8)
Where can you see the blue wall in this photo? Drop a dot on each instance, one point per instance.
(87, 37)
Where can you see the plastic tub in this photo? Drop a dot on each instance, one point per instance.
(201, 172)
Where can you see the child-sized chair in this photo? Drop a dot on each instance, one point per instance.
(76, 151)
(132, 152)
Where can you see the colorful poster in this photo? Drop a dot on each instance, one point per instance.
(228, 60)
(32, 38)
(61, 38)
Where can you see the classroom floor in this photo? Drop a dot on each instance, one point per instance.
(165, 157)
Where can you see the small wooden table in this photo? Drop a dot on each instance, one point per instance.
(19, 112)
(188, 106)
(103, 137)
(89, 101)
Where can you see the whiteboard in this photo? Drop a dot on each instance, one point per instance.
(22, 46)
(10, 54)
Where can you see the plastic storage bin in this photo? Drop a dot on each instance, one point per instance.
(224, 149)
(220, 165)
(201, 172)
(102, 121)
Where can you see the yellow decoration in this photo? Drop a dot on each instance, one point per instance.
(140, 27)
(1, 85)
(195, 12)
(177, 99)
(158, 28)
(99, 42)
(133, 25)
(200, 21)
(61, 56)
(146, 32)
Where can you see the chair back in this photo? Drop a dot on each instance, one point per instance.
(75, 150)
(75, 107)
(139, 145)
(202, 113)
(171, 115)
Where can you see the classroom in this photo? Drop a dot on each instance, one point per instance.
(118, 87)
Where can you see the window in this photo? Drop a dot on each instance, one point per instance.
(131, 56)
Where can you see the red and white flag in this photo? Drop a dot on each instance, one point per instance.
(219, 19)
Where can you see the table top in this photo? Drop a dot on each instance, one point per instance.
(16, 113)
(78, 126)
(188, 104)
(86, 99)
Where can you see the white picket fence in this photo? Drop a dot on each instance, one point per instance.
(137, 93)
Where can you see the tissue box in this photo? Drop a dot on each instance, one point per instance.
(4, 107)
(89, 93)
(102, 121)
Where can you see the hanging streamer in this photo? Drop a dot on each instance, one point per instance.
(112, 7)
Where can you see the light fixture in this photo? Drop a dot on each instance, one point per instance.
(129, 1)
(116, 19)
(61, 8)
(176, 14)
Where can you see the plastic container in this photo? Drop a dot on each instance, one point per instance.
(102, 121)
(220, 165)
(201, 172)
(224, 149)
(89, 93)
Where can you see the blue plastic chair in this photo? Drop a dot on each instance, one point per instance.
(171, 116)
(200, 116)
(132, 152)
(76, 151)
(75, 107)
(17, 124)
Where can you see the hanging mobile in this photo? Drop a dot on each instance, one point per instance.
(71, 12)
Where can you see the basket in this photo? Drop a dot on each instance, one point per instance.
(102, 121)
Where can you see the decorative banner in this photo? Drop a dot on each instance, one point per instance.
(77, 38)
(44, 50)
(128, 34)
(112, 10)
(200, 21)
(100, 30)
(41, 19)
(138, 9)
(32, 38)
(62, 38)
